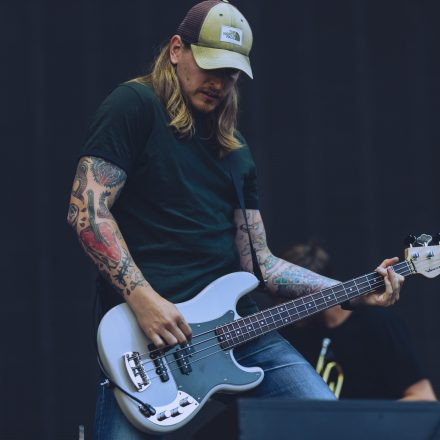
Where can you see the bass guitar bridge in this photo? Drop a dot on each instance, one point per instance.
(136, 371)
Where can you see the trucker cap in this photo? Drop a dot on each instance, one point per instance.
(219, 35)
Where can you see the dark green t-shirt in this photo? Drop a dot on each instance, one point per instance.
(176, 208)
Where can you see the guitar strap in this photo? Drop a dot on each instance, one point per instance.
(238, 180)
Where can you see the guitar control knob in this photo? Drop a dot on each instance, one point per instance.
(176, 412)
(186, 401)
(164, 415)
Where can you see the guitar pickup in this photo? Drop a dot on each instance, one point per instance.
(182, 356)
(188, 349)
(136, 371)
(161, 369)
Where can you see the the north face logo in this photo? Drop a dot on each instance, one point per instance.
(231, 35)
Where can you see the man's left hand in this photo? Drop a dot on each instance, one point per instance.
(393, 283)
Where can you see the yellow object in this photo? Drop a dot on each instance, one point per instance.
(335, 388)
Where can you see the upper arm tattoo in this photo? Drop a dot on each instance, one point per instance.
(107, 174)
(80, 182)
(72, 215)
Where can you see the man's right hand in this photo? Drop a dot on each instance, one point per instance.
(160, 319)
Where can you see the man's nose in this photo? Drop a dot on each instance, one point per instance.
(216, 80)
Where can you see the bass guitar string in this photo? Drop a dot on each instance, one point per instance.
(185, 356)
(376, 279)
(216, 337)
(204, 357)
(371, 283)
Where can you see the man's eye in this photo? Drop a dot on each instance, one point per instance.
(229, 72)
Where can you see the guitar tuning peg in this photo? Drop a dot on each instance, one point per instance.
(424, 239)
(410, 240)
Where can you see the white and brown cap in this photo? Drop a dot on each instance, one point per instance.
(219, 35)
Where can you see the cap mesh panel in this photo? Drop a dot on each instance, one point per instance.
(190, 27)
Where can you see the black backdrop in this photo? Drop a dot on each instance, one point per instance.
(343, 120)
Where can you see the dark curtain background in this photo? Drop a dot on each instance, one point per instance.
(343, 120)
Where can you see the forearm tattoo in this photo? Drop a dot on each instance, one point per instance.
(283, 278)
(89, 214)
(291, 281)
(256, 228)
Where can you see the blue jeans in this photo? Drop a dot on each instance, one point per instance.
(286, 374)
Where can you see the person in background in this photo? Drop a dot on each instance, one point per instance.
(362, 354)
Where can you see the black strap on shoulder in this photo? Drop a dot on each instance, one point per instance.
(238, 185)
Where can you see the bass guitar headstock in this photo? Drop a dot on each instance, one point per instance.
(423, 257)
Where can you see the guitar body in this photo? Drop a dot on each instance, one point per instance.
(178, 383)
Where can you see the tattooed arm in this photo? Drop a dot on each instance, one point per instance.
(283, 279)
(289, 280)
(96, 186)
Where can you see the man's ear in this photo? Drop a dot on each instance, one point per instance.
(176, 47)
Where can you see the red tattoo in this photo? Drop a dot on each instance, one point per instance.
(108, 247)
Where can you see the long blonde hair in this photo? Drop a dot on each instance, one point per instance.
(163, 78)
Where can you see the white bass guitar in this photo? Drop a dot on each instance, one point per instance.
(160, 391)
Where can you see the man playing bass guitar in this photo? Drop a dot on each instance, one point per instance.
(154, 206)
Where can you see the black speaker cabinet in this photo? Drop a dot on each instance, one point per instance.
(341, 420)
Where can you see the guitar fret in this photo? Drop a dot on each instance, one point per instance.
(275, 318)
(244, 329)
(231, 333)
(373, 279)
(256, 325)
(345, 292)
(272, 316)
(350, 289)
(285, 315)
(364, 288)
(368, 281)
(318, 298)
(291, 310)
(268, 317)
(238, 331)
(310, 306)
(249, 327)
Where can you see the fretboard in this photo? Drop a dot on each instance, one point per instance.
(245, 329)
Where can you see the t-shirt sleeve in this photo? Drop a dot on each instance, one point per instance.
(402, 368)
(250, 185)
(119, 128)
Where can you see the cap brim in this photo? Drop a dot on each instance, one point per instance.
(210, 58)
